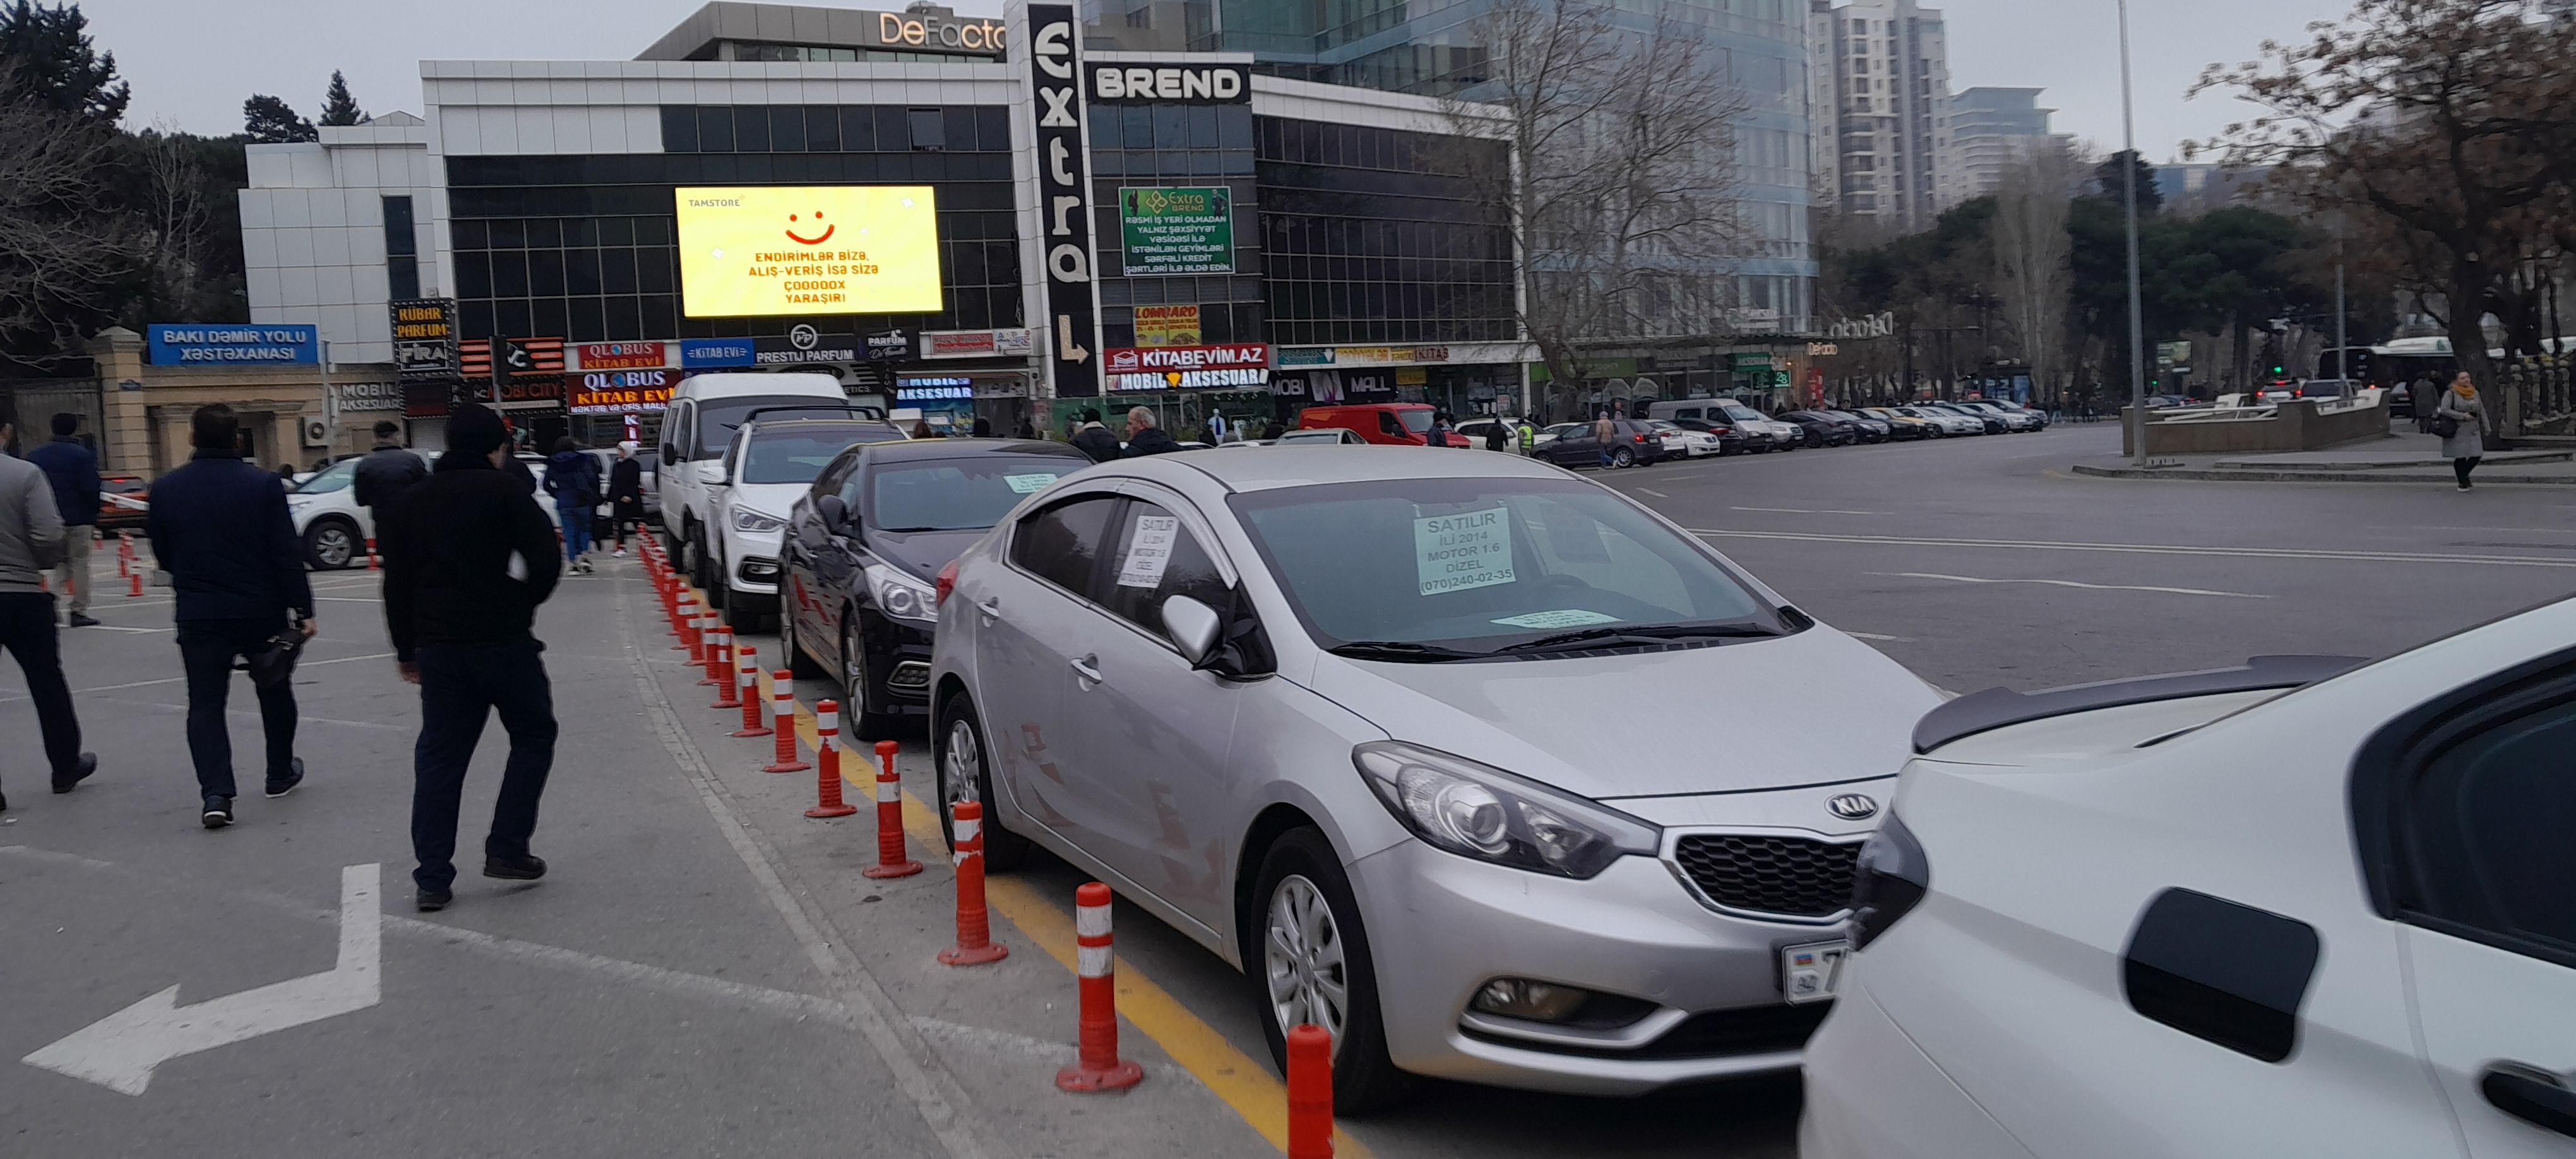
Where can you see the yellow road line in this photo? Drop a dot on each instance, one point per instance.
(1244, 1084)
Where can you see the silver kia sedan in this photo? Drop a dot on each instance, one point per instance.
(1395, 734)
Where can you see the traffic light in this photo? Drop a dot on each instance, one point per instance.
(2277, 371)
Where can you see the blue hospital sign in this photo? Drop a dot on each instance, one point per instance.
(234, 344)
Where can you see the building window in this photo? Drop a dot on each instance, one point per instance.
(402, 250)
(929, 130)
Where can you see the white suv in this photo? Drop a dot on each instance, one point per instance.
(704, 413)
(2265, 911)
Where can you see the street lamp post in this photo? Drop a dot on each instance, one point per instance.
(2137, 316)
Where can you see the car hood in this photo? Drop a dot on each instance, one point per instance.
(1813, 707)
(922, 553)
(766, 498)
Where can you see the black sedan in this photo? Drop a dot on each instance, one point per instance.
(1730, 440)
(1634, 445)
(1825, 429)
(858, 598)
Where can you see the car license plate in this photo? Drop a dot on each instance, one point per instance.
(1809, 972)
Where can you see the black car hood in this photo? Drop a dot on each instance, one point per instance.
(922, 553)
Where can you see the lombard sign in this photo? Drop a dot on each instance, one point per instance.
(1064, 198)
(1196, 84)
(234, 345)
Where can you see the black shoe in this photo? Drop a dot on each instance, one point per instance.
(279, 787)
(527, 868)
(430, 901)
(219, 811)
(4, 802)
(80, 620)
(88, 765)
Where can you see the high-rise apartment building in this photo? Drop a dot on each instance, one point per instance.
(1879, 94)
(1991, 131)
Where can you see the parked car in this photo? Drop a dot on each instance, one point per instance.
(1949, 422)
(333, 528)
(2323, 389)
(769, 465)
(2007, 406)
(128, 515)
(1901, 425)
(2294, 908)
(1392, 423)
(704, 412)
(865, 543)
(1824, 428)
(1326, 436)
(1634, 445)
(1683, 443)
(1554, 431)
(1730, 441)
(1338, 717)
(1987, 422)
(1760, 432)
(2014, 419)
(1868, 429)
(1475, 430)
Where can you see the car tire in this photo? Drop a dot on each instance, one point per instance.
(1814, 439)
(963, 762)
(333, 543)
(1301, 880)
(1622, 457)
(799, 665)
(858, 689)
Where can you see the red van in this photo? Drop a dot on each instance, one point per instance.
(1402, 424)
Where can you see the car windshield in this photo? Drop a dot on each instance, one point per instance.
(796, 456)
(335, 478)
(1663, 424)
(1416, 421)
(719, 417)
(1478, 565)
(967, 493)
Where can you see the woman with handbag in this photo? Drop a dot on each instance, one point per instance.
(2459, 421)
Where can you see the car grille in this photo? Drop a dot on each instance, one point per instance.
(1760, 873)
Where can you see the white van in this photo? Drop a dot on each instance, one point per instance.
(704, 413)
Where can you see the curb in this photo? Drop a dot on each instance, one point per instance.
(2242, 476)
(2497, 458)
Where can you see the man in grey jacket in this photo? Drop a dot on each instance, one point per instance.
(31, 540)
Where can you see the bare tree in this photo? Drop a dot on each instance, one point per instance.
(60, 259)
(172, 206)
(1615, 174)
(2032, 248)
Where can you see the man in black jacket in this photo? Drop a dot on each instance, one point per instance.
(219, 526)
(1145, 438)
(468, 557)
(73, 471)
(387, 472)
(1093, 439)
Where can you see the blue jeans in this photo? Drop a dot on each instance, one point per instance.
(575, 518)
(1605, 454)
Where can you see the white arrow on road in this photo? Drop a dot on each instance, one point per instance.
(119, 1051)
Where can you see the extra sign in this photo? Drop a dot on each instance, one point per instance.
(1064, 198)
(1196, 84)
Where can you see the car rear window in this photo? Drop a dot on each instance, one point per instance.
(798, 455)
(968, 493)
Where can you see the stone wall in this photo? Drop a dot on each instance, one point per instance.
(2295, 425)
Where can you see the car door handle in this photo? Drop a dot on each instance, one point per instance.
(2530, 1094)
(1088, 668)
(991, 609)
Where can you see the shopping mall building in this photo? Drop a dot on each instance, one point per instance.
(969, 217)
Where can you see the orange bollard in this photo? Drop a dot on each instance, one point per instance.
(1310, 1092)
(747, 681)
(892, 858)
(719, 659)
(124, 558)
(827, 757)
(1098, 1068)
(684, 623)
(371, 555)
(782, 715)
(134, 585)
(975, 945)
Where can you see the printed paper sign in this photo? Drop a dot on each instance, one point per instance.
(1029, 484)
(1567, 618)
(1471, 549)
(1150, 552)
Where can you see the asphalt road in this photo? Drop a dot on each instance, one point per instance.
(706, 973)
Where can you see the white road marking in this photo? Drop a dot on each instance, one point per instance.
(1970, 579)
(182, 679)
(1651, 491)
(119, 1051)
(1804, 511)
(118, 628)
(2149, 549)
(350, 599)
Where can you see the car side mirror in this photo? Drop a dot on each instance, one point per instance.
(834, 512)
(1193, 627)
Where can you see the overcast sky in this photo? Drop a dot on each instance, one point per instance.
(192, 62)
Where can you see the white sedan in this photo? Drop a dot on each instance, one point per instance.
(1681, 442)
(2295, 908)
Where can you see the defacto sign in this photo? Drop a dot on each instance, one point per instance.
(1234, 367)
(234, 345)
(623, 392)
(1198, 84)
(1064, 203)
(424, 331)
(770, 251)
(928, 30)
(620, 355)
(1175, 231)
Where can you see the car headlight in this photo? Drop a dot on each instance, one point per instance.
(902, 597)
(756, 522)
(1477, 811)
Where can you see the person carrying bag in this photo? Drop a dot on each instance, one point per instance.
(2459, 420)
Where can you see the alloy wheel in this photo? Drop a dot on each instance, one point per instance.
(960, 763)
(854, 671)
(333, 546)
(1302, 959)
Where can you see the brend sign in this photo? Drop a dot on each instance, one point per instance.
(1194, 84)
(1145, 359)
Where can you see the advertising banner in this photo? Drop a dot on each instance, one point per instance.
(520, 357)
(889, 345)
(1064, 197)
(368, 396)
(424, 337)
(975, 343)
(803, 344)
(620, 356)
(1167, 325)
(1245, 364)
(707, 352)
(1175, 83)
(623, 392)
(231, 344)
(1176, 231)
(768, 251)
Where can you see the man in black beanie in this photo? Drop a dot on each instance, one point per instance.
(468, 557)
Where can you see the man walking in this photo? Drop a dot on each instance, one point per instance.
(572, 477)
(461, 625)
(1605, 432)
(73, 471)
(625, 494)
(31, 537)
(388, 470)
(1093, 439)
(219, 526)
(1144, 437)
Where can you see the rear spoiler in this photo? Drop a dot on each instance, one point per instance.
(2002, 707)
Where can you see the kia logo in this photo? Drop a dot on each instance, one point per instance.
(802, 336)
(1852, 807)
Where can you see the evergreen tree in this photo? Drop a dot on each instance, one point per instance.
(267, 120)
(2107, 180)
(46, 56)
(338, 107)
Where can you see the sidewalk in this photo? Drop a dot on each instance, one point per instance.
(2406, 457)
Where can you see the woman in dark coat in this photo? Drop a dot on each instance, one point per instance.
(625, 494)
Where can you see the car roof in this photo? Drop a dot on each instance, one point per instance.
(916, 450)
(1298, 466)
(791, 426)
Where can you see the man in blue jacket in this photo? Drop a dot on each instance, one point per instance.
(219, 526)
(73, 471)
